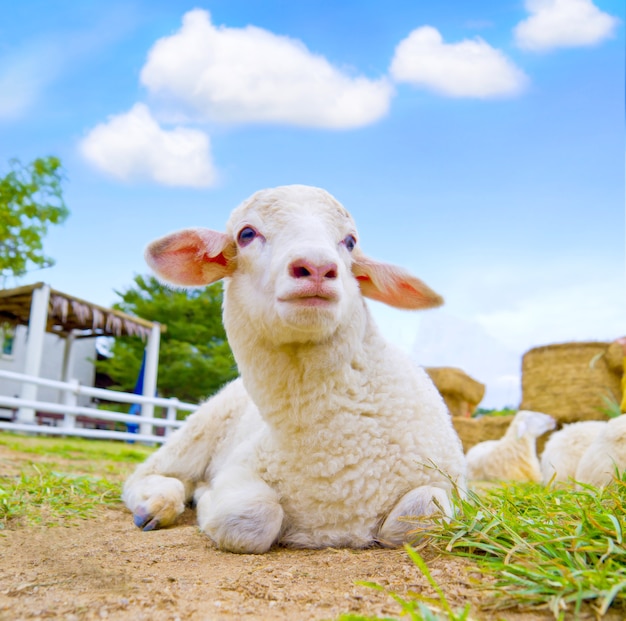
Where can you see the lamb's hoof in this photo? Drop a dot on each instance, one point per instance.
(144, 520)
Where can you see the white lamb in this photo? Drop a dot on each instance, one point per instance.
(605, 455)
(564, 449)
(514, 456)
(330, 435)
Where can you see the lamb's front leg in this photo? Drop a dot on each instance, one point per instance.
(240, 513)
(420, 502)
(158, 489)
(155, 500)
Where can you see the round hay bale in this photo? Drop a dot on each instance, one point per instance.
(475, 430)
(461, 393)
(570, 381)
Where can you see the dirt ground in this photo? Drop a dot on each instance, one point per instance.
(106, 568)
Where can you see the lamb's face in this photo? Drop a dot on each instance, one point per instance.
(293, 281)
(294, 271)
(534, 423)
(615, 430)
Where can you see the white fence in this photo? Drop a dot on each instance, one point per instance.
(68, 412)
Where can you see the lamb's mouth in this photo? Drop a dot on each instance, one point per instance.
(309, 300)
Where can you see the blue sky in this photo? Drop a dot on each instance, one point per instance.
(478, 144)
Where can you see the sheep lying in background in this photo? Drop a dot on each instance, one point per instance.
(330, 435)
(564, 449)
(514, 456)
(605, 454)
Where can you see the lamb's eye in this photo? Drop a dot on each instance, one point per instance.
(350, 242)
(246, 235)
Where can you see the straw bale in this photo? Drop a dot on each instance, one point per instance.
(570, 381)
(475, 430)
(461, 392)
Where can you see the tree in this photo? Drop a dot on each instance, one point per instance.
(195, 359)
(31, 199)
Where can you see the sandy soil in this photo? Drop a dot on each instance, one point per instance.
(106, 568)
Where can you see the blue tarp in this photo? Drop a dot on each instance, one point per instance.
(135, 408)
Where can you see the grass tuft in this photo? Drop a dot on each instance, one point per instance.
(41, 496)
(544, 547)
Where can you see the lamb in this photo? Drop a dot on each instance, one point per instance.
(330, 435)
(514, 456)
(605, 456)
(564, 449)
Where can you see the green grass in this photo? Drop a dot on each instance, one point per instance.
(41, 496)
(486, 412)
(612, 407)
(66, 479)
(78, 449)
(537, 548)
(540, 546)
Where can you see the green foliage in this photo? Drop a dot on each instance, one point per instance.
(31, 199)
(486, 412)
(195, 359)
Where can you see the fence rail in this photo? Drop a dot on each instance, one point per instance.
(73, 417)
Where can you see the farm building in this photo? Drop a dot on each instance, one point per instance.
(49, 334)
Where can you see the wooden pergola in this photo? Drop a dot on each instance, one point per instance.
(44, 309)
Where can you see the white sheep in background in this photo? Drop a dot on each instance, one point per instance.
(564, 449)
(607, 452)
(331, 434)
(514, 456)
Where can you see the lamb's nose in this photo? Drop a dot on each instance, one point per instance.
(302, 268)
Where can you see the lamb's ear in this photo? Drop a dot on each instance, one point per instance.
(393, 285)
(192, 257)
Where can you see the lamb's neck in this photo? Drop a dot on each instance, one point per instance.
(300, 385)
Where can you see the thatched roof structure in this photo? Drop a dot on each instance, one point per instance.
(571, 381)
(461, 392)
(68, 314)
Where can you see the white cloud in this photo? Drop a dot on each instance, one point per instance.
(563, 23)
(240, 75)
(132, 146)
(447, 340)
(470, 68)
